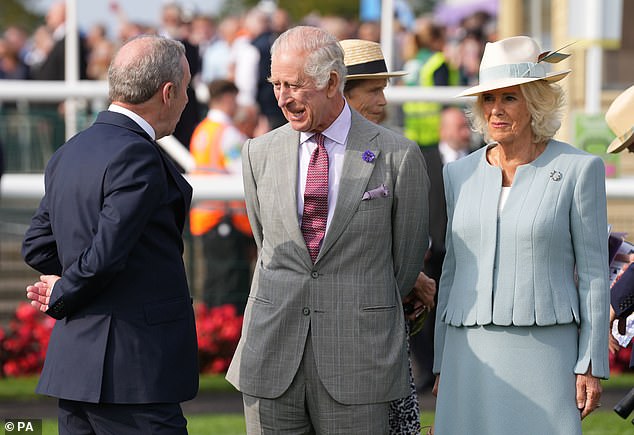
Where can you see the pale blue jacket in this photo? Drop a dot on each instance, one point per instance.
(544, 261)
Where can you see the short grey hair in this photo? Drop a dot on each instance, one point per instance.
(545, 103)
(324, 53)
(134, 80)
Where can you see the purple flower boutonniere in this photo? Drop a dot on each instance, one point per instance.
(368, 156)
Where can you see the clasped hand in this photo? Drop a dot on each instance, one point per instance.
(421, 296)
(40, 292)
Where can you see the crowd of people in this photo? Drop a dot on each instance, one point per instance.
(502, 248)
(233, 47)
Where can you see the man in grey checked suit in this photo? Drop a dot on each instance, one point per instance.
(323, 347)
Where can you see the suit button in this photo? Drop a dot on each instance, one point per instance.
(314, 274)
(306, 311)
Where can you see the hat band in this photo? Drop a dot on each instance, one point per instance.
(625, 136)
(373, 67)
(523, 70)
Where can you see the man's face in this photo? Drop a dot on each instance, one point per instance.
(368, 99)
(303, 105)
(455, 130)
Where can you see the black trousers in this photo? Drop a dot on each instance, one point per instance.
(83, 418)
(228, 256)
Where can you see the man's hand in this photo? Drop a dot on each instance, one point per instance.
(434, 390)
(40, 292)
(424, 290)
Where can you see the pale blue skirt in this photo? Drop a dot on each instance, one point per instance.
(512, 380)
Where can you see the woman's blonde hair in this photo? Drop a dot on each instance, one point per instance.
(544, 102)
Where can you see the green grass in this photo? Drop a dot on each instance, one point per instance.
(603, 422)
(18, 388)
(622, 380)
(23, 388)
(598, 423)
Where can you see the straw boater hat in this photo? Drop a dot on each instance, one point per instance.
(514, 61)
(620, 119)
(364, 60)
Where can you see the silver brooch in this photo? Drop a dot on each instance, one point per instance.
(555, 175)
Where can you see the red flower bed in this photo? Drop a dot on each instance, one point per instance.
(620, 361)
(24, 342)
(218, 330)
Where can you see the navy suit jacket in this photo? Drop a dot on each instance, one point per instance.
(110, 224)
(437, 212)
(622, 297)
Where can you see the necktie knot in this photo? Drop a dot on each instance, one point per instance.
(319, 139)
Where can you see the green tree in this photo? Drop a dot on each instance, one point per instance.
(17, 13)
(299, 9)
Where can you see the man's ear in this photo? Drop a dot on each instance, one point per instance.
(333, 84)
(167, 91)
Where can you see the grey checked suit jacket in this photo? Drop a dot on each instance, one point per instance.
(350, 299)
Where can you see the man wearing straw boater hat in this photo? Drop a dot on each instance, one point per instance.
(366, 77)
(523, 301)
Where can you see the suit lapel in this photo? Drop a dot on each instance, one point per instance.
(182, 185)
(286, 174)
(355, 175)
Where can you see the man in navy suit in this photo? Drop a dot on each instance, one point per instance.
(107, 238)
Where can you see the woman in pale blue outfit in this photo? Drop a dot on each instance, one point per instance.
(523, 302)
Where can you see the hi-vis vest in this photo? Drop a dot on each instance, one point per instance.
(422, 119)
(206, 148)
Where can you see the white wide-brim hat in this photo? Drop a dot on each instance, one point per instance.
(620, 119)
(364, 60)
(514, 61)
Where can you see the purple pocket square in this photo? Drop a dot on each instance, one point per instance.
(379, 192)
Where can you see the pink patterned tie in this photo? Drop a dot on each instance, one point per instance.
(316, 198)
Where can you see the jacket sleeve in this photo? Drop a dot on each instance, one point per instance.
(446, 277)
(250, 195)
(39, 248)
(410, 219)
(622, 294)
(588, 221)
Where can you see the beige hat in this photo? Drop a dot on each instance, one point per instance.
(364, 60)
(514, 61)
(620, 119)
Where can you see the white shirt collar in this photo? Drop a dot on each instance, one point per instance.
(136, 118)
(337, 131)
(449, 154)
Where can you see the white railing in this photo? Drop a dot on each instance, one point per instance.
(29, 188)
(13, 90)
